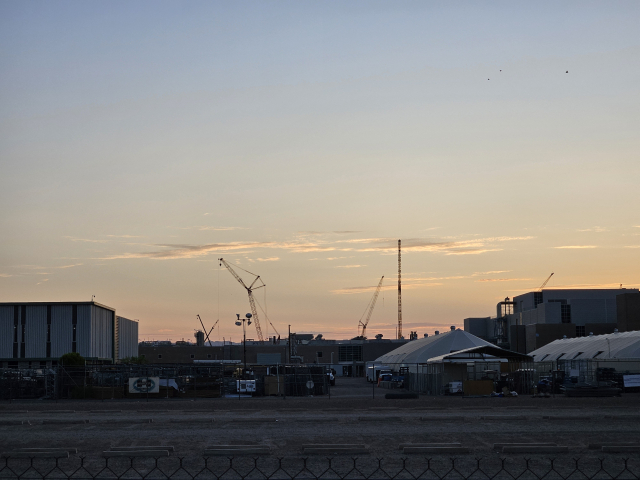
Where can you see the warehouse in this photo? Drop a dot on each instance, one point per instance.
(617, 345)
(594, 358)
(37, 334)
(455, 361)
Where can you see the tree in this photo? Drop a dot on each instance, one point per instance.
(72, 359)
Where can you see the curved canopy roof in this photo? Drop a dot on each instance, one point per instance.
(421, 350)
(613, 345)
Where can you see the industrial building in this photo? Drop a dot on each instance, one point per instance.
(534, 319)
(37, 334)
(346, 357)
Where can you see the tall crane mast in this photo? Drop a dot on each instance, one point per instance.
(399, 291)
(205, 330)
(372, 303)
(252, 301)
(545, 282)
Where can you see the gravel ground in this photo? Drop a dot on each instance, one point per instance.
(351, 416)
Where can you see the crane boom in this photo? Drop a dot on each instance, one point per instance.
(545, 282)
(249, 289)
(371, 305)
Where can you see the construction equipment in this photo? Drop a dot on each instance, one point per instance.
(204, 330)
(362, 326)
(252, 301)
(399, 293)
(545, 282)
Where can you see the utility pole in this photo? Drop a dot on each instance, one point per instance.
(399, 291)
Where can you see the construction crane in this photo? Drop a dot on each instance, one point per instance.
(252, 301)
(362, 326)
(399, 333)
(204, 330)
(545, 282)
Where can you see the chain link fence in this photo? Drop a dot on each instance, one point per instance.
(269, 468)
(106, 382)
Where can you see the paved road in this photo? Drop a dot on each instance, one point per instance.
(349, 417)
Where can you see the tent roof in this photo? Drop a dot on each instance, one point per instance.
(483, 352)
(421, 350)
(601, 347)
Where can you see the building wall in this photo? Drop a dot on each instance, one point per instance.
(102, 330)
(480, 327)
(6, 331)
(539, 335)
(35, 332)
(183, 354)
(127, 338)
(628, 312)
(61, 330)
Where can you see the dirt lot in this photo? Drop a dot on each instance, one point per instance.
(351, 416)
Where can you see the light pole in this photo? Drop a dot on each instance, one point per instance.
(244, 337)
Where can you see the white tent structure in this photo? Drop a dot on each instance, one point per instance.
(421, 350)
(618, 345)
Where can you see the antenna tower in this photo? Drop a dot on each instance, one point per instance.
(399, 291)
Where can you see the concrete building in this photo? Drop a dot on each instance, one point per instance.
(37, 334)
(533, 319)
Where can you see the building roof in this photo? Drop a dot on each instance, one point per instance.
(484, 353)
(421, 350)
(613, 345)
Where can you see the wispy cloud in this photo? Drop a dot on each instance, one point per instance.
(501, 279)
(165, 330)
(124, 236)
(349, 266)
(576, 246)
(447, 247)
(215, 229)
(174, 251)
(270, 259)
(380, 245)
(632, 246)
(87, 240)
(493, 272)
(594, 229)
(370, 288)
(5, 275)
(70, 266)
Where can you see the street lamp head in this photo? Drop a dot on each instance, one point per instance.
(238, 315)
(248, 322)
(238, 323)
(248, 315)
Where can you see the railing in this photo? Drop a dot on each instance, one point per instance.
(321, 468)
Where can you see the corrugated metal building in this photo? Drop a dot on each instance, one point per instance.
(127, 335)
(41, 332)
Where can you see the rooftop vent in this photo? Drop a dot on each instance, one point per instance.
(437, 332)
(591, 334)
(426, 335)
(615, 330)
(564, 337)
(453, 327)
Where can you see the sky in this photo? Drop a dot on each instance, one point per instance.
(141, 141)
